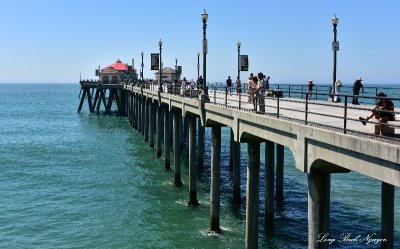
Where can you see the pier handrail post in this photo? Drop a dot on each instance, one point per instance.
(215, 95)
(345, 116)
(306, 112)
(240, 101)
(302, 90)
(277, 106)
(226, 96)
(289, 91)
(316, 92)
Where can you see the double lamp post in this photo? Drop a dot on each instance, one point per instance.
(335, 48)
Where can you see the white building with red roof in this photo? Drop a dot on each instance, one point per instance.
(117, 73)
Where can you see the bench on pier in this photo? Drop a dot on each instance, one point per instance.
(274, 93)
(388, 129)
(191, 93)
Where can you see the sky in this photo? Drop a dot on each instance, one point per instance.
(54, 41)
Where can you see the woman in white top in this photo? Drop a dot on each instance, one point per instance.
(250, 88)
(338, 84)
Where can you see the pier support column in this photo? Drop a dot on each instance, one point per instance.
(146, 120)
(192, 162)
(215, 179)
(177, 147)
(143, 114)
(231, 151)
(131, 108)
(151, 124)
(185, 130)
(252, 194)
(200, 144)
(158, 128)
(139, 112)
(236, 173)
(387, 216)
(269, 185)
(319, 184)
(280, 159)
(135, 114)
(167, 161)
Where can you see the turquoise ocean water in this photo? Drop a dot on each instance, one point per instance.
(71, 180)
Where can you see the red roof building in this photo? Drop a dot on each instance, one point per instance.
(117, 73)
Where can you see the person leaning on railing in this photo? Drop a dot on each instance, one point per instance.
(383, 112)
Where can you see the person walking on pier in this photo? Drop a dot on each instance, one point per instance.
(310, 88)
(266, 82)
(261, 91)
(255, 93)
(238, 86)
(383, 112)
(228, 85)
(356, 90)
(250, 88)
(338, 85)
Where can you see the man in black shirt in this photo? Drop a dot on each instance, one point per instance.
(229, 84)
(356, 90)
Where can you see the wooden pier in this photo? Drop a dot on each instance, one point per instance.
(325, 139)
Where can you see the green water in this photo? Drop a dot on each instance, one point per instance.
(72, 180)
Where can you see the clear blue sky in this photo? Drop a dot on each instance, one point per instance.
(290, 40)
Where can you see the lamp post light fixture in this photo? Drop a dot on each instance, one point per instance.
(141, 73)
(198, 65)
(160, 66)
(204, 17)
(238, 46)
(335, 48)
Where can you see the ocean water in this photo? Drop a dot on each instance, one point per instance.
(80, 180)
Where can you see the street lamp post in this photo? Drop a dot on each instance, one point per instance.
(198, 65)
(335, 48)
(204, 17)
(160, 66)
(238, 46)
(176, 68)
(141, 73)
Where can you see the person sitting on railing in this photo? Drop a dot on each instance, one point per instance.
(383, 112)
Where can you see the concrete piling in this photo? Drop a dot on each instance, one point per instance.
(167, 161)
(215, 179)
(387, 216)
(269, 185)
(177, 147)
(192, 162)
(158, 128)
(236, 173)
(280, 159)
(319, 184)
(252, 194)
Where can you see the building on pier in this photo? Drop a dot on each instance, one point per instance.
(117, 72)
(168, 75)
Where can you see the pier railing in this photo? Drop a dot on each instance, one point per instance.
(293, 104)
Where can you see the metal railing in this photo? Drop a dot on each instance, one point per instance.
(292, 103)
